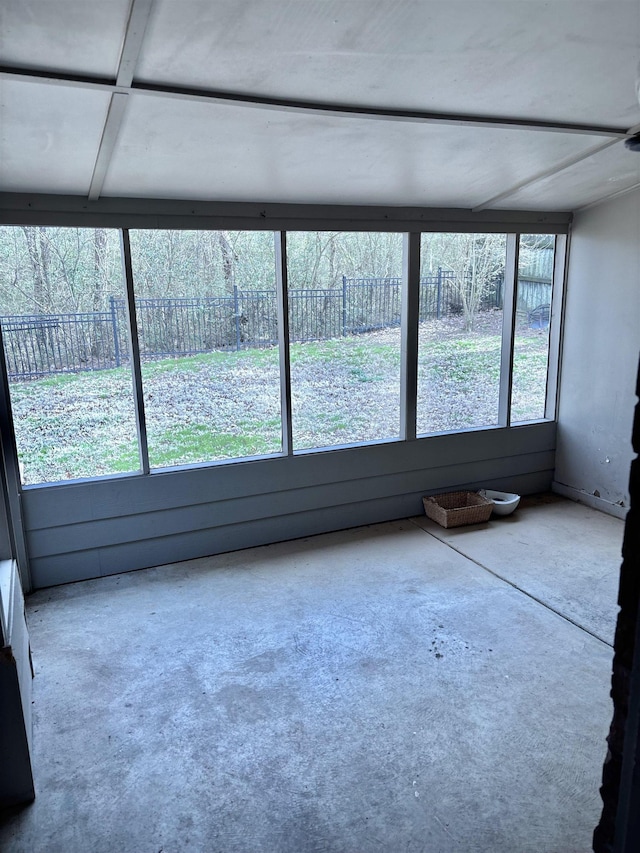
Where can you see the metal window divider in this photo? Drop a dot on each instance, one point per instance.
(509, 304)
(558, 297)
(134, 349)
(410, 309)
(282, 296)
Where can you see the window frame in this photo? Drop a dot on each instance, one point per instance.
(128, 214)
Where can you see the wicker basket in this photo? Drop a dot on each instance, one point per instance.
(454, 509)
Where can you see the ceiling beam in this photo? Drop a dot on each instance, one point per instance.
(328, 108)
(131, 47)
(609, 197)
(112, 124)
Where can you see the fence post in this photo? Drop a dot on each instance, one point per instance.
(439, 302)
(114, 327)
(236, 314)
(344, 306)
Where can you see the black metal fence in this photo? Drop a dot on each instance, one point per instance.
(38, 345)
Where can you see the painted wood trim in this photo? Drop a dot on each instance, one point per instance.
(588, 499)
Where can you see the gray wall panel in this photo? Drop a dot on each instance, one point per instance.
(85, 530)
(65, 568)
(180, 519)
(124, 557)
(46, 507)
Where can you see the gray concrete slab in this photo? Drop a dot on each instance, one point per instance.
(564, 553)
(368, 690)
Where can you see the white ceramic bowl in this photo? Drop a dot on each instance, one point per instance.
(504, 503)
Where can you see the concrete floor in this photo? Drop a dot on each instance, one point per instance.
(367, 690)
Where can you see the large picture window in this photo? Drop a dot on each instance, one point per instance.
(248, 345)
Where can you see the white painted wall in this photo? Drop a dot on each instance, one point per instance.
(600, 356)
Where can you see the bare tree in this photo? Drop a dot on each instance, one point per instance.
(476, 261)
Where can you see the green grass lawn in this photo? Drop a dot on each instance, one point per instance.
(223, 405)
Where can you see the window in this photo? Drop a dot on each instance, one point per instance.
(460, 332)
(532, 323)
(207, 327)
(344, 326)
(67, 353)
(217, 379)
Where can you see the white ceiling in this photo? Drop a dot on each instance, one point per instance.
(483, 64)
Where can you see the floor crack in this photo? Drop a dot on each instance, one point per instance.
(514, 585)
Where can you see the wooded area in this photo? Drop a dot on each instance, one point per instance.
(68, 270)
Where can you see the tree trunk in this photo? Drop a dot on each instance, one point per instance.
(99, 266)
(228, 259)
(39, 259)
(99, 282)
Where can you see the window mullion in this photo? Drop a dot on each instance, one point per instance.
(282, 291)
(555, 325)
(134, 349)
(509, 304)
(409, 332)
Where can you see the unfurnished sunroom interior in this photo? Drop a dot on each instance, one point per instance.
(277, 269)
